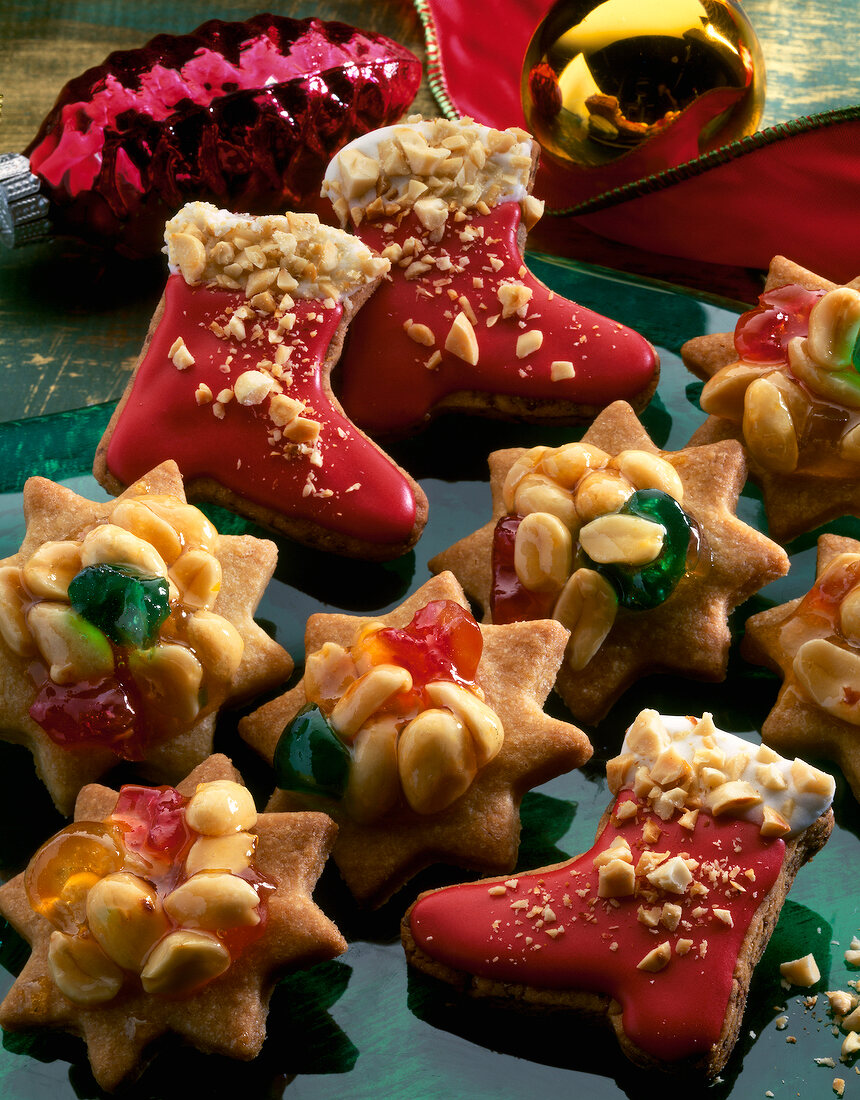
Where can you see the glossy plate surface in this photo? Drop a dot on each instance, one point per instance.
(361, 1027)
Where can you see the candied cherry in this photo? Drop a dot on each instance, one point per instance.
(510, 600)
(442, 642)
(152, 823)
(92, 712)
(762, 335)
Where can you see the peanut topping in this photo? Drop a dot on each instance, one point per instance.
(670, 764)
(657, 959)
(420, 741)
(462, 341)
(529, 342)
(289, 252)
(436, 166)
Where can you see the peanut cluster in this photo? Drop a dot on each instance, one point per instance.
(161, 536)
(776, 405)
(400, 746)
(434, 166)
(570, 496)
(268, 256)
(164, 921)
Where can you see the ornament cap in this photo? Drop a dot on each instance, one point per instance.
(24, 210)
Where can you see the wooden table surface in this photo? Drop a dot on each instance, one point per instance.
(72, 319)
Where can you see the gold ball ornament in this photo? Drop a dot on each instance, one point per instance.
(601, 77)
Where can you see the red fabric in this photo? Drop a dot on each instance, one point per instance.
(796, 195)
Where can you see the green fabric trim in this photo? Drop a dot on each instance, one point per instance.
(435, 75)
(725, 153)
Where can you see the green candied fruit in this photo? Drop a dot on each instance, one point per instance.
(126, 604)
(649, 585)
(310, 757)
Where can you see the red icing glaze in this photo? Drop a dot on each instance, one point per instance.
(161, 420)
(386, 384)
(510, 600)
(762, 335)
(442, 642)
(675, 1013)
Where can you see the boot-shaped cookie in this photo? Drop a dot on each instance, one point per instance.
(461, 323)
(659, 924)
(233, 384)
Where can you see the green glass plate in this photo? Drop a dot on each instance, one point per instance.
(361, 1026)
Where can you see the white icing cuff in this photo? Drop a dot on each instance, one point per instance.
(719, 773)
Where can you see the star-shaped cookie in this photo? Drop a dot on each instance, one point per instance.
(781, 402)
(480, 827)
(233, 384)
(688, 632)
(208, 651)
(227, 1015)
(813, 644)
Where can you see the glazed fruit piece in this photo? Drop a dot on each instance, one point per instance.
(233, 384)
(657, 928)
(637, 551)
(171, 908)
(124, 627)
(418, 732)
(462, 324)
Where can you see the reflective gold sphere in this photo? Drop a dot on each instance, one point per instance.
(602, 76)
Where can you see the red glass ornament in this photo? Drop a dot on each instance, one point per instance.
(510, 600)
(245, 115)
(442, 642)
(762, 335)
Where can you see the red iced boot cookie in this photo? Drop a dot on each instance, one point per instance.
(658, 926)
(233, 384)
(461, 323)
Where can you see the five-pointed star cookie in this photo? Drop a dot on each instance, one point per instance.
(793, 413)
(688, 632)
(382, 840)
(812, 643)
(227, 1015)
(155, 698)
(233, 384)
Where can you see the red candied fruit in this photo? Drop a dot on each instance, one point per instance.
(442, 642)
(91, 712)
(510, 601)
(824, 599)
(762, 335)
(153, 821)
